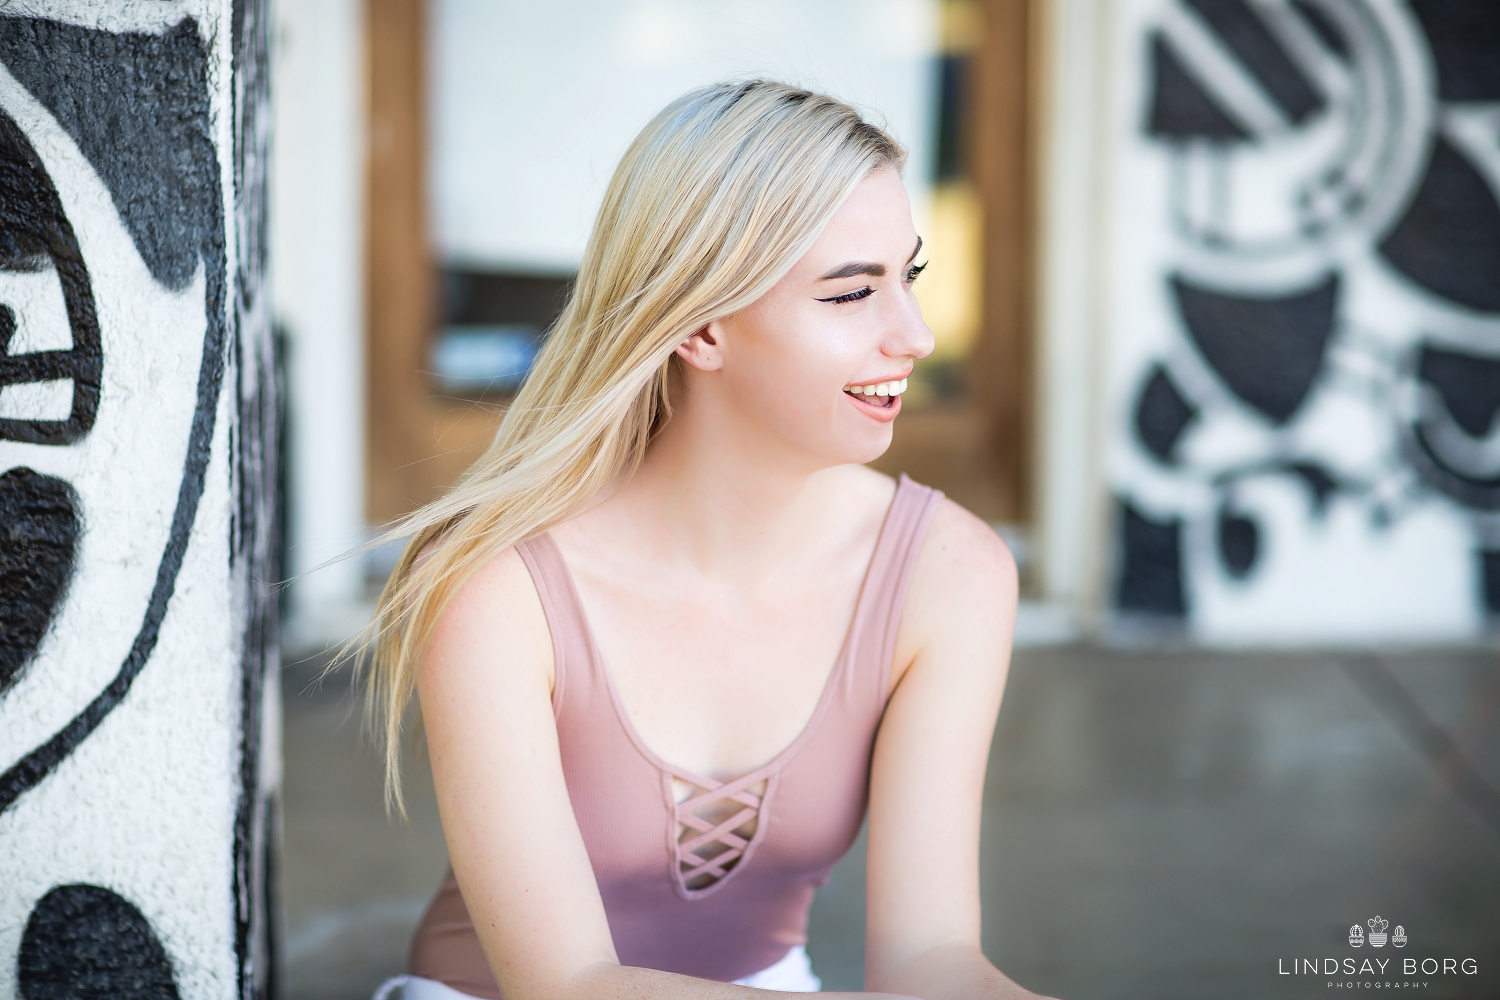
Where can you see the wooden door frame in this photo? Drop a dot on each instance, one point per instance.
(1003, 160)
(416, 442)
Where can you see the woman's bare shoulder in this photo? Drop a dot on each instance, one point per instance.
(959, 551)
(494, 617)
(963, 589)
(965, 551)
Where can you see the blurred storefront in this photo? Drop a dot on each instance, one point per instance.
(1213, 281)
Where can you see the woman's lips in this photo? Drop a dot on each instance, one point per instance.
(882, 408)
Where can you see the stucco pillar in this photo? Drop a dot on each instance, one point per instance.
(138, 514)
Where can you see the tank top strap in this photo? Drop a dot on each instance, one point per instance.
(878, 617)
(571, 652)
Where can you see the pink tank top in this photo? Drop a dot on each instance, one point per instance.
(752, 896)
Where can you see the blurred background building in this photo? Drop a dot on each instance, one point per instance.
(1215, 283)
(1216, 292)
(439, 166)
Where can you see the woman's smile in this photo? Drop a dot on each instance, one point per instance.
(880, 400)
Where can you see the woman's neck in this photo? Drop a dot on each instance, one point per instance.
(717, 493)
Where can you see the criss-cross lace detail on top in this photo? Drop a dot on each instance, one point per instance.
(708, 846)
(714, 830)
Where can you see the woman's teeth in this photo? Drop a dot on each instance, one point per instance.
(878, 389)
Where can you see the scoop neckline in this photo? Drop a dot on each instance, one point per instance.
(776, 763)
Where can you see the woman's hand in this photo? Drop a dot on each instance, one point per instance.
(955, 972)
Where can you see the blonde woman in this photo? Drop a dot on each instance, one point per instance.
(670, 636)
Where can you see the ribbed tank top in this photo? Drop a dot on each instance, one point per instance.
(645, 847)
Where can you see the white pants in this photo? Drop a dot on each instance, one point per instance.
(792, 974)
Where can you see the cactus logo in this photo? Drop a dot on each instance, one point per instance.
(1377, 936)
(1374, 971)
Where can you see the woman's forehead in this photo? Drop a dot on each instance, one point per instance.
(874, 223)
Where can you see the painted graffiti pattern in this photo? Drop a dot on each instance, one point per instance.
(138, 514)
(1306, 433)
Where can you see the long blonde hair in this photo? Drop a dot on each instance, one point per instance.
(715, 200)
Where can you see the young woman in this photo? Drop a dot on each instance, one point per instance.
(671, 636)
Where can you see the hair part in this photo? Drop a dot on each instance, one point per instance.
(712, 204)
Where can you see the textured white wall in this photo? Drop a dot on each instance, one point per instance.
(138, 738)
(533, 103)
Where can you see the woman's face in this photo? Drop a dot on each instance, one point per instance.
(844, 317)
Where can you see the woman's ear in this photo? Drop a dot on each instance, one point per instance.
(702, 349)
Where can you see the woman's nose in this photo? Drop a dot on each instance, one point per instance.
(909, 335)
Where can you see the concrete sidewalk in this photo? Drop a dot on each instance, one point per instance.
(1160, 825)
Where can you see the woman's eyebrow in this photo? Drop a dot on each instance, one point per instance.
(855, 267)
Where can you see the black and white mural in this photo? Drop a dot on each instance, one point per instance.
(1305, 318)
(138, 442)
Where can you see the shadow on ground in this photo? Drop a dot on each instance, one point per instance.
(1163, 825)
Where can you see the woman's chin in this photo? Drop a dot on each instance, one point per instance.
(866, 447)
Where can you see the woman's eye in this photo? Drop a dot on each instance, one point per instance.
(854, 296)
(914, 270)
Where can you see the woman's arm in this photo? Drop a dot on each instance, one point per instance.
(485, 689)
(927, 781)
